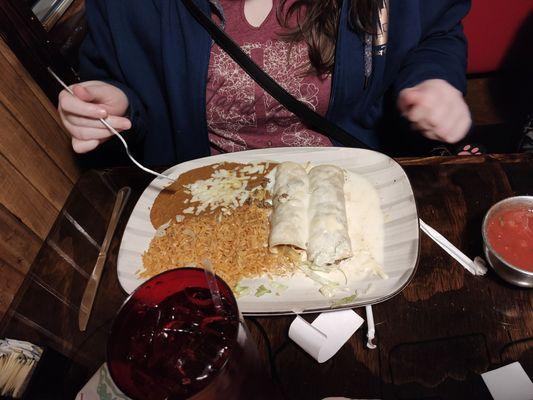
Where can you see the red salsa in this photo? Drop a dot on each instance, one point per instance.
(510, 233)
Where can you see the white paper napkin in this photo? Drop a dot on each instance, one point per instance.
(509, 383)
(326, 334)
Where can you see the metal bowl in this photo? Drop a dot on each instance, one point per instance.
(511, 273)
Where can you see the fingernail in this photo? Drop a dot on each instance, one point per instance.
(102, 113)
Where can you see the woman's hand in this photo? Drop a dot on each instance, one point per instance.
(80, 113)
(437, 110)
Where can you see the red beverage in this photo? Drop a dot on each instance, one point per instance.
(170, 342)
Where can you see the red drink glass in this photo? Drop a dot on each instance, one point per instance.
(168, 341)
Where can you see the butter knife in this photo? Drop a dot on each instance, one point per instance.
(89, 295)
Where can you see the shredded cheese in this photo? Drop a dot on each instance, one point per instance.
(226, 189)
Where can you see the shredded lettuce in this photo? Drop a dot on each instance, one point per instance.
(344, 300)
(328, 287)
(278, 288)
(317, 278)
(345, 277)
(324, 268)
(240, 290)
(261, 291)
(328, 290)
(368, 262)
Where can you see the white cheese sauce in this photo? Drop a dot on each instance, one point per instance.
(365, 227)
(366, 230)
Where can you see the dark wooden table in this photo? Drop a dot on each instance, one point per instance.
(434, 339)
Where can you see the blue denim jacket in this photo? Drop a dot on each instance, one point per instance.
(159, 55)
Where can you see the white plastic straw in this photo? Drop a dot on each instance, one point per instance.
(371, 328)
(112, 130)
(476, 267)
(213, 285)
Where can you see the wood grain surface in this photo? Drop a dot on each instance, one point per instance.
(31, 108)
(434, 339)
(37, 171)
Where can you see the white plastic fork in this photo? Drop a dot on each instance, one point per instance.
(112, 130)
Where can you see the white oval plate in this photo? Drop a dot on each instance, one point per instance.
(401, 229)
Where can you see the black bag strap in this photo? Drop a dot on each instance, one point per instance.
(307, 115)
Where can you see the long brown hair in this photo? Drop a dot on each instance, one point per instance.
(316, 23)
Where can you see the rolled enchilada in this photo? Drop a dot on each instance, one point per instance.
(328, 240)
(290, 200)
(309, 213)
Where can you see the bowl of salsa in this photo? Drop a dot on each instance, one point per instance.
(508, 239)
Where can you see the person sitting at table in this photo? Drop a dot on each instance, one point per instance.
(152, 71)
